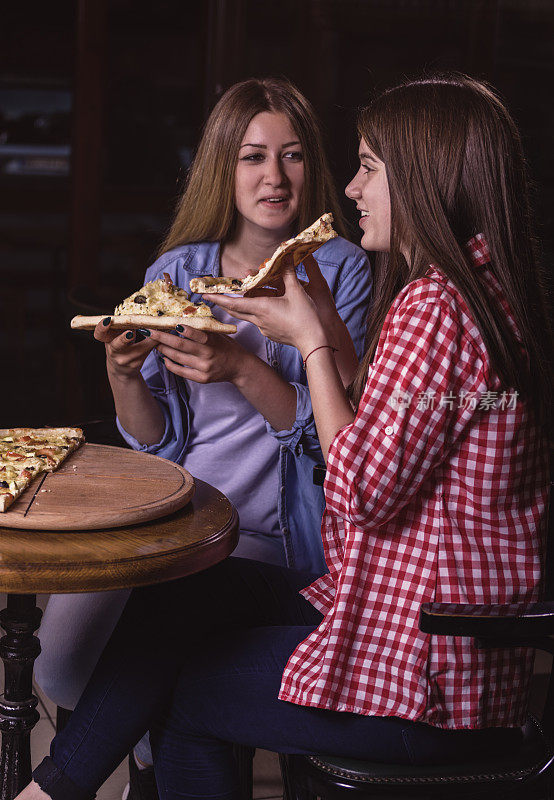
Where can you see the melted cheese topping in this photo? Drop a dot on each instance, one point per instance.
(12, 473)
(157, 299)
(21, 463)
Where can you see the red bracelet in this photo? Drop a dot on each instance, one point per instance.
(321, 346)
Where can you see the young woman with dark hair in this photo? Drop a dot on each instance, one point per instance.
(436, 491)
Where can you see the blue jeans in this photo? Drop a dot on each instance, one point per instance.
(205, 675)
(75, 628)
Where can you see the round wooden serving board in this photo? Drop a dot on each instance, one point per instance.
(99, 486)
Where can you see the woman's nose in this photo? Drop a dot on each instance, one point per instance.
(274, 174)
(352, 191)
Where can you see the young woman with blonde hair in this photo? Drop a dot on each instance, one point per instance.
(235, 411)
(436, 488)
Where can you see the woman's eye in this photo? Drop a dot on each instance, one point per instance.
(253, 157)
(293, 155)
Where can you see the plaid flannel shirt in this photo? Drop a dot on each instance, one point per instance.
(436, 492)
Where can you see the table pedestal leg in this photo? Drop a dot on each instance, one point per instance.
(18, 713)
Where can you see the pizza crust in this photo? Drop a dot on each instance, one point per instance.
(8, 498)
(133, 321)
(305, 243)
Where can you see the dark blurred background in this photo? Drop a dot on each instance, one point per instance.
(101, 106)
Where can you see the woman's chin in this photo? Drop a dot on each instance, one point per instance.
(276, 223)
(367, 242)
(374, 245)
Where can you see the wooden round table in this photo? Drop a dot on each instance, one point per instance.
(191, 539)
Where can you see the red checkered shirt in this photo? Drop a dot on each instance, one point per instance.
(436, 492)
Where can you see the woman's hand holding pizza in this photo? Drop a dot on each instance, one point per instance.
(125, 352)
(318, 289)
(201, 356)
(300, 314)
(287, 314)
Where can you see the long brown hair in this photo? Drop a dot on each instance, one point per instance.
(206, 210)
(455, 168)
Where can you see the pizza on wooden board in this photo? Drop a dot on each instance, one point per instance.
(158, 305)
(296, 249)
(27, 452)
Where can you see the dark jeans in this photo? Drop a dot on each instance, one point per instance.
(199, 663)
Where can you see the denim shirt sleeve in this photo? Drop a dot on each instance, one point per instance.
(301, 426)
(352, 294)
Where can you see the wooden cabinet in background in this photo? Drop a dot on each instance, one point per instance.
(143, 77)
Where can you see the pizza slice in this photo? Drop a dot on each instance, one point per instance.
(307, 242)
(25, 453)
(159, 305)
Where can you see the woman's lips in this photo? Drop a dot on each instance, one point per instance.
(272, 204)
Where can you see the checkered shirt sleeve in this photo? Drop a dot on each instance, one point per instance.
(405, 425)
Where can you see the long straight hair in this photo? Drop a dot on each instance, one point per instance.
(206, 210)
(455, 168)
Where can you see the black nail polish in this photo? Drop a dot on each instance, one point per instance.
(143, 331)
(129, 335)
(179, 328)
(106, 321)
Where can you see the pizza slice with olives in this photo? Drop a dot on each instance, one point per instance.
(25, 453)
(159, 305)
(307, 242)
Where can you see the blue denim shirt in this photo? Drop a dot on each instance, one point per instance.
(300, 504)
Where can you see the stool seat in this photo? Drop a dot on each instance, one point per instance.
(527, 759)
(331, 777)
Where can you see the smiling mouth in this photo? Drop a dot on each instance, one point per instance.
(274, 200)
(364, 213)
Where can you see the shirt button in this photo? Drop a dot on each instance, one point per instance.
(284, 531)
(283, 490)
(274, 363)
(298, 450)
(389, 430)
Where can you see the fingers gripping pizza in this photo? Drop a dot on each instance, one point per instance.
(27, 452)
(307, 242)
(159, 305)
